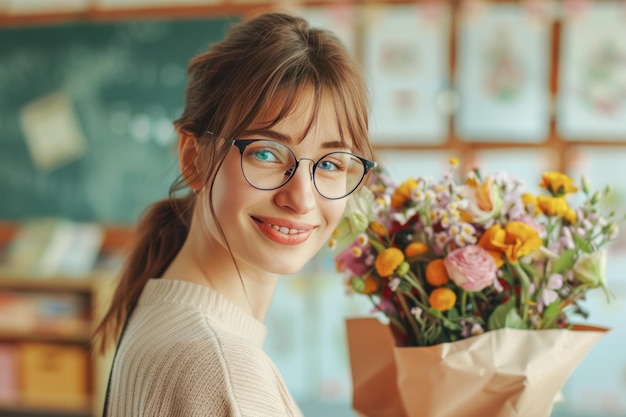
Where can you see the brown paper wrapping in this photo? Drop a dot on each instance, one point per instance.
(501, 373)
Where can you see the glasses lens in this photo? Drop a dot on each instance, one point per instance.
(267, 164)
(338, 174)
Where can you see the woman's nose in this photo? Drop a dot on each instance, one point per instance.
(299, 194)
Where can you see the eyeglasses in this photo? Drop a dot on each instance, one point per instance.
(268, 165)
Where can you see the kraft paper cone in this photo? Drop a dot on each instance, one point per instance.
(370, 346)
(502, 373)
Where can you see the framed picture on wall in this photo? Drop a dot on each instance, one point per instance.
(502, 74)
(406, 57)
(592, 73)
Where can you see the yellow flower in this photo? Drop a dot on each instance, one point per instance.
(403, 193)
(454, 161)
(442, 299)
(436, 273)
(557, 184)
(553, 206)
(531, 204)
(388, 260)
(415, 248)
(515, 240)
(570, 216)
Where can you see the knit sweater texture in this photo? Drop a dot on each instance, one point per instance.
(189, 352)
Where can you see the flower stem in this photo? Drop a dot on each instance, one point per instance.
(409, 316)
(464, 303)
(415, 283)
(525, 288)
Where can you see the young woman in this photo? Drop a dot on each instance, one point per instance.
(272, 141)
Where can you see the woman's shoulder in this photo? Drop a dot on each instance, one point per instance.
(185, 305)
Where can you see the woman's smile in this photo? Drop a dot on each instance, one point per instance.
(286, 233)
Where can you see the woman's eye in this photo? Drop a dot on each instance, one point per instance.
(328, 165)
(264, 155)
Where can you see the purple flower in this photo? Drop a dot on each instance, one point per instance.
(548, 293)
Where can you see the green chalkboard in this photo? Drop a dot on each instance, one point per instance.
(125, 81)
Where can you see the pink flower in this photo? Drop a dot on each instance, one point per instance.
(356, 259)
(471, 268)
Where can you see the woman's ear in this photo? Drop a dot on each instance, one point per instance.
(187, 157)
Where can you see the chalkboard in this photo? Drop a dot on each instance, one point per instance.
(125, 82)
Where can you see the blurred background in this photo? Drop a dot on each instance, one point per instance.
(88, 92)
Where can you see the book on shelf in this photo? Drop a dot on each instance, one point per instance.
(45, 247)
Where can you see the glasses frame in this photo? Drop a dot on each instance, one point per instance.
(242, 144)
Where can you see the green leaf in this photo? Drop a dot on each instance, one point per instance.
(565, 261)
(453, 313)
(550, 314)
(497, 320)
(358, 284)
(514, 321)
(450, 325)
(530, 270)
(435, 313)
(582, 243)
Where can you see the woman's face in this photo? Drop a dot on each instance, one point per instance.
(279, 230)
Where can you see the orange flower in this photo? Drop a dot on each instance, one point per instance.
(370, 285)
(494, 251)
(436, 273)
(483, 196)
(442, 299)
(484, 199)
(388, 260)
(403, 193)
(378, 228)
(415, 248)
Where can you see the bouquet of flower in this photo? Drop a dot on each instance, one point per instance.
(452, 259)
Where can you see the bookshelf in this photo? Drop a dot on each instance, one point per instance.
(47, 367)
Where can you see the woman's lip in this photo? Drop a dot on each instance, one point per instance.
(285, 233)
(291, 227)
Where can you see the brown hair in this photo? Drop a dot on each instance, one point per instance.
(262, 65)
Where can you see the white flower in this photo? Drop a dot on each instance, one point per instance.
(394, 284)
(590, 268)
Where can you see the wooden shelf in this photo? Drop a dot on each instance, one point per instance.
(23, 281)
(94, 288)
(82, 337)
(19, 409)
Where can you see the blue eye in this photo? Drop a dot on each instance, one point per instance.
(264, 155)
(327, 166)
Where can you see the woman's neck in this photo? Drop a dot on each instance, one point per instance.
(206, 262)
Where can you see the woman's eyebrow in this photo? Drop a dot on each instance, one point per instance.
(336, 144)
(270, 134)
(281, 137)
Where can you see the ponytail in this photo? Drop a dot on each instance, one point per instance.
(160, 235)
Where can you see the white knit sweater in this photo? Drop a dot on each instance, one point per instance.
(188, 352)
